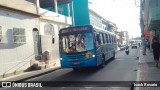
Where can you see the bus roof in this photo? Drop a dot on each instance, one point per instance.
(74, 27)
(102, 30)
(97, 29)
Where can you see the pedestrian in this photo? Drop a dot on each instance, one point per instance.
(156, 49)
(127, 49)
(139, 44)
(149, 45)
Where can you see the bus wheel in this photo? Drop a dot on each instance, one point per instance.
(75, 69)
(113, 56)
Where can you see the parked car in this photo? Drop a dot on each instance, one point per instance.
(122, 47)
(134, 45)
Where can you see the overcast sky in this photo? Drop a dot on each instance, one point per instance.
(124, 13)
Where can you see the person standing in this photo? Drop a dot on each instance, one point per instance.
(156, 49)
(127, 49)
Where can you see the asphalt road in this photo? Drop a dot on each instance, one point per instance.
(123, 68)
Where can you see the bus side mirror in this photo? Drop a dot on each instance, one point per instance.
(53, 41)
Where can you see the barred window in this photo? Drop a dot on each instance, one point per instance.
(49, 29)
(19, 35)
(0, 34)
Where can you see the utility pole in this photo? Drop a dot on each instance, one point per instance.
(142, 27)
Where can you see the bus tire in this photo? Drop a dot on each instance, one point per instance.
(75, 69)
(113, 56)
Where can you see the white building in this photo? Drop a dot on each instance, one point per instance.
(16, 45)
(50, 24)
(95, 19)
(26, 32)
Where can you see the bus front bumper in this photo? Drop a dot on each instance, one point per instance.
(77, 64)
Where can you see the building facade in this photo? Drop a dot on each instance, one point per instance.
(30, 35)
(150, 19)
(55, 14)
(124, 38)
(16, 37)
(88, 16)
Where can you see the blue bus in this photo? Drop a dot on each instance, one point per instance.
(85, 46)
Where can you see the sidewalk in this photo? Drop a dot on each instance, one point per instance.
(147, 70)
(27, 75)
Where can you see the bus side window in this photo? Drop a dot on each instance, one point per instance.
(107, 38)
(111, 39)
(104, 39)
(101, 39)
(97, 40)
(115, 40)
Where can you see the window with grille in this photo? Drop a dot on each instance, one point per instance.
(49, 29)
(19, 35)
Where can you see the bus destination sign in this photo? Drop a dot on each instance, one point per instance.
(77, 29)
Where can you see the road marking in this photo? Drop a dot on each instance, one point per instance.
(138, 71)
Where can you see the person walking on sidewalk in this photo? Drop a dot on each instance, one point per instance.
(156, 49)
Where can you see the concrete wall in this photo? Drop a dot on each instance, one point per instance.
(81, 12)
(11, 54)
(52, 16)
(47, 45)
(14, 55)
(95, 20)
(22, 5)
(57, 21)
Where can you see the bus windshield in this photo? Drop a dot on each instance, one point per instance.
(73, 43)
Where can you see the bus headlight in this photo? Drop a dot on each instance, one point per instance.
(61, 58)
(93, 55)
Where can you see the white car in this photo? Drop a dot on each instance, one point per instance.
(122, 47)
(134, 45)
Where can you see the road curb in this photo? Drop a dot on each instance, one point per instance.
(138, 72)
(46, 72)
(31, 76)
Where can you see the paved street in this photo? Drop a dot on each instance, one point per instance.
(123, 68)
(121, 71)
(39, 39)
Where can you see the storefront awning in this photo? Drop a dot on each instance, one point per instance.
(154, 25)
(50, 3)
